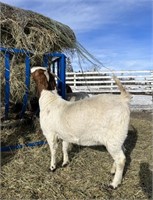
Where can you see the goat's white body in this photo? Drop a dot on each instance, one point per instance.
(99, 120)
(87, 122)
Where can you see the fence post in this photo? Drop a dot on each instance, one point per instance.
(75, 80)
(111, 79)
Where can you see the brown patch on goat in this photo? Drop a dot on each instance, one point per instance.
(41, 81)
(43, 84)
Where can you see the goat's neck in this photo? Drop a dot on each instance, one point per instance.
(46, 99)
(41, 88)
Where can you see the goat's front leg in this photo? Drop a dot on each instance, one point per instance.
(52, 141)
(65, 146)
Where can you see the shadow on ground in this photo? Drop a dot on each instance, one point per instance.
(129, 145)
(145, 175)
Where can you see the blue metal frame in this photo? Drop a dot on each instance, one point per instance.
(20, 146)
(7, 78)
(27, 83)
(61, 67)
(7, 83)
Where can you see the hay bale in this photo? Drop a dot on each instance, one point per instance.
(24, 29)
(34, 32)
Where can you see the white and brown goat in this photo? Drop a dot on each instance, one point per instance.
(99, 120)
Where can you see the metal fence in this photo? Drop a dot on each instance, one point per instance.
(136, 82)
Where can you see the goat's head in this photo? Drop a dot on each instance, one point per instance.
(44, 79)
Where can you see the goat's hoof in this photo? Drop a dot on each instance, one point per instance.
(52, 169)
(111, 187)
(114, 186)
(113, 170)
(65, 164)
(112, 173)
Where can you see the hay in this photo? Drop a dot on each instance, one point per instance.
(24, 29)
(25, 172)
(28, 30)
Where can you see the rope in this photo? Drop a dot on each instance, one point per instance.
(82, 53)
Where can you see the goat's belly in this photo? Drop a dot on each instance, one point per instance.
(88, 134)
(82, 142)
(85, 138)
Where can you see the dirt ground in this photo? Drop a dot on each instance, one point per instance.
(25, 174)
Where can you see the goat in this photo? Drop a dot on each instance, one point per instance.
(43, 78)
(76, 96)
(50, 84)
(98, 120)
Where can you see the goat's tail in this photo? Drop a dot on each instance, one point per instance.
(123, 91)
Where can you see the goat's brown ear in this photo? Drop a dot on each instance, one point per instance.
(52, 82)
(48, 70)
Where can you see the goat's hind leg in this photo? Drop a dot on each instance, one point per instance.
(65, 146)
(113, 169)
(118, 167)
